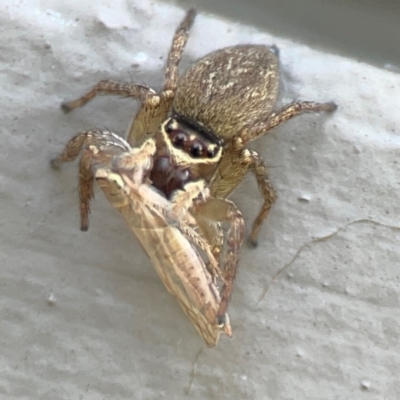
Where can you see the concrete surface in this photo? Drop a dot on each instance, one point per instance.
(366, 30)
(315, 310)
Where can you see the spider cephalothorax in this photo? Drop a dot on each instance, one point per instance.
(184, 153)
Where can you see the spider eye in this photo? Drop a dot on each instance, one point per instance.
(212, 151)
(179, 139)
(169, 128)
(196, 149)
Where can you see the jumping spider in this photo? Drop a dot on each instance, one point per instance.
(225, 99)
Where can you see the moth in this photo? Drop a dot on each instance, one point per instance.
(164, 227)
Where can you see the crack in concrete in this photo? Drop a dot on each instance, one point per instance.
(192, 374)
(318, 240)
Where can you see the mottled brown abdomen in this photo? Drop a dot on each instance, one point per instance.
(229, 88)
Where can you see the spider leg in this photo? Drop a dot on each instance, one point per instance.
(268, 193)
(239, 160)
(155, 108)
(86, 194)
(230, 174)
(99, 147)
(257, 165)
(178, 44)
(107, 87)
(284, 114)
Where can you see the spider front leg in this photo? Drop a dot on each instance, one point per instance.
(154, 109)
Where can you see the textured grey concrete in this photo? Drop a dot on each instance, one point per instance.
(365, 30)
(315, 310)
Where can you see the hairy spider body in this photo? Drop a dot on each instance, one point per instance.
(184, 154)
(200, 125)
(229, 89)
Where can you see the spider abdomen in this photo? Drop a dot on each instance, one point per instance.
(229, 88)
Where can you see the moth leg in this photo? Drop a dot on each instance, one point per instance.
(284, 114)
(221, 210)
(198, 240)
(136, 162)
(182, 200)
(123, 180)
(155, 108)
(212, 233)
(108, 87)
